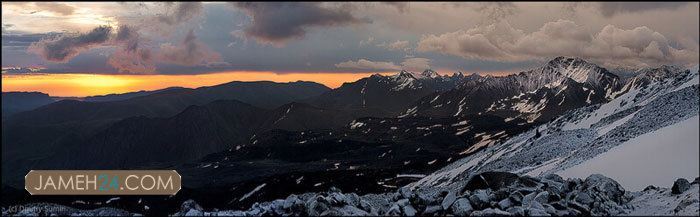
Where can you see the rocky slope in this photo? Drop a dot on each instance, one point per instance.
(584, 133)
(484, 194)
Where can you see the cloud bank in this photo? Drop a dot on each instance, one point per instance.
(638, 46)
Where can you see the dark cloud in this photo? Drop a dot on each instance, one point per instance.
(609, 9)
(132, 58)
(180, 12)
(62, 48)
(279, 22)
(189, 52)
(129, 37)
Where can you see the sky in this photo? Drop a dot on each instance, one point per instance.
(87, 48)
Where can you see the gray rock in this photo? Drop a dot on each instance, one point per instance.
(696, 181)
(583, 198)
(194, 212)
(408, 210)
(432, 210)
(504, 204)
(366, 206)
(291, 202)
(680, 186)
(536, 212)
(499, 195)
(542, 197)
(190, 208)
(554, 177)
(462, 207)
(606, 186)
(426, 199)
(479, 199)
(395, 210)
(317, 205)
(490, 212)
(516, 197)
(535, 205)
(516, 211)
(650, 187)
(449, 199)
(352, 199)
(528, 198)
(405, 192)
(581, 208)
(336, 199)
(549, 209)
(403, 202)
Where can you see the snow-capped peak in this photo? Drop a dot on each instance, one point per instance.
(430, 73)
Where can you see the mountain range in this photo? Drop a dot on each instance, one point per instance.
(371, 135)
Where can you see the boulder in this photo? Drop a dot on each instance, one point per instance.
(405, 192)
(403, 202)
(516, 197)
(650, 187)
(432, 210)
(366, 206)
(492, 180)
(336, 199)
(549, 209)
(290, 201)
(490, 212)
(554, 177)
(536, 212)
(395, 210)
(528, 198)
(583, 198)
(190, 208)
(581, 208)
(449, 199)
(317, 205)
(680, 185)
(516, 211)
(352, 199)
(462, 207)
(504, 204)
(408, 210)
(479, 199)
(542, 197)
(696, 181)
(607, 186)
(499, 195)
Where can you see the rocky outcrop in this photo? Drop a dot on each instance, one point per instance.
(486, 194)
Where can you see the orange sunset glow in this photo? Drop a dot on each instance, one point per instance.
(80, 85)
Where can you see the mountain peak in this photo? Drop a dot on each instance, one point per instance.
(430, 73)
(565, 61)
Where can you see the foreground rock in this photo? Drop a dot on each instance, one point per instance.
(489, 194)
